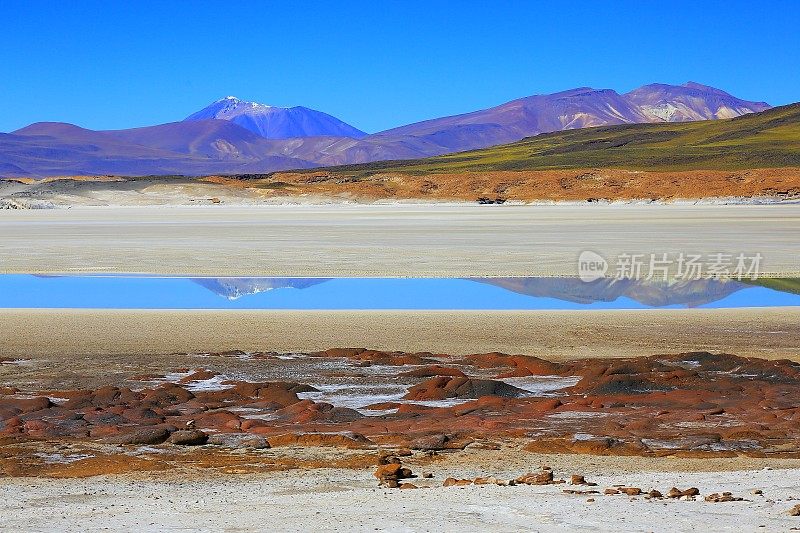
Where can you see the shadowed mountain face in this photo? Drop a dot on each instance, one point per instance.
(273, 122)
(231, 136)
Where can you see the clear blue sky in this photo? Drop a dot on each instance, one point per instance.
(375, 64)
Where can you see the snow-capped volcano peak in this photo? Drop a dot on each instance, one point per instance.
(275, 122)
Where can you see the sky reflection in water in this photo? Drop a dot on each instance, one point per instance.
(360, 293)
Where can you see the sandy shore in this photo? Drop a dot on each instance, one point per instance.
(335, 499)
(63, 335)
(402, 240)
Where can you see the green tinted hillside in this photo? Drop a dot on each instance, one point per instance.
(760, 140)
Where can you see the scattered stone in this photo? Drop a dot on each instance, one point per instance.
(611, 492)
(427, 475)
(654, 494)
(757, 492)
(794, 511)
(675, 492)
(408, 486)
(577, 479)
(389, 474)
(631, 491)
(545, 477)
(581, 492)
(724, 497)
(453, 482)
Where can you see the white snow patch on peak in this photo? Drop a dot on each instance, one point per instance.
(233, 102)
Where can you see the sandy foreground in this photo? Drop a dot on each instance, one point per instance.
(133, 335)
(336, 499)
(400, 240)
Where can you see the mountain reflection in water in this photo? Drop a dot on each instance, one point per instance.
(650, 293)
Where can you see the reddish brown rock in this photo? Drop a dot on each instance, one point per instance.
(491, 480)
(430, 442)
(545, 477)
(389, 474)
(453, 482)
(218, 420)
(378, 357)
(166, 395)
(519, 365)
(309, 411)
(25, 405)
(444, 387)
(188, 437)
(675, 492)
(154, 435)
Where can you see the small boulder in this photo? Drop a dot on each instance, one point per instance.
(675, 492)
(453, 482)
(430, 443)
(545, 477)
(145, 436)
(188, 437)
(724, 497)
(389, 474)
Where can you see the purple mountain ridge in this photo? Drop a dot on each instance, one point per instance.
(276, 122)
(232, 136)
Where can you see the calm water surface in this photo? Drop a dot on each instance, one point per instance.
(378, 293)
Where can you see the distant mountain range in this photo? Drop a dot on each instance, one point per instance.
(232, 136)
